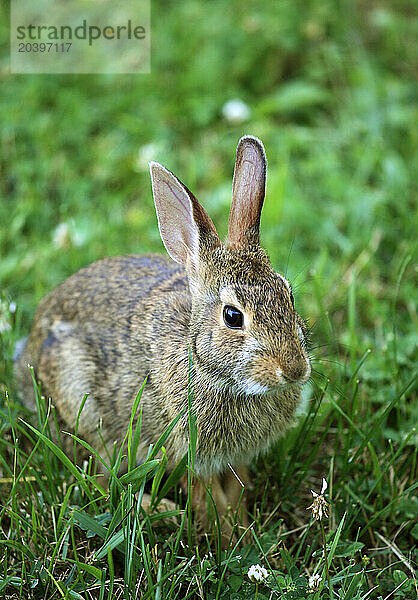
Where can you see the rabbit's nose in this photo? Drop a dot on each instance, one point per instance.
(297, 372)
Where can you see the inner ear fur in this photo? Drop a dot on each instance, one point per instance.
(248, 191)
(183, 223)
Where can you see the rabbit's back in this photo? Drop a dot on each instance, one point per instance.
(91, 336)
(108, 289)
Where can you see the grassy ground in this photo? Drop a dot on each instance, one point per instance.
(330, 88)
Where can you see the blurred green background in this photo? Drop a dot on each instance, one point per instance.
(330, 88)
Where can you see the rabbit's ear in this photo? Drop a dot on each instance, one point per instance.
(248, 189)
(182, 221)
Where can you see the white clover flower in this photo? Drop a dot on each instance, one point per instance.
(314, 582)
(65, 234)
(235, 111)
(12, 307)
(145, 155)
(319, 506)
(4, 317)
(61, 235)
(257, 574)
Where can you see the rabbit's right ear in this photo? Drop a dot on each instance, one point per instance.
(248, 189)
(183, 222)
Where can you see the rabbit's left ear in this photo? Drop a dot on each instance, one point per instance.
(248, 189)
(185, 226)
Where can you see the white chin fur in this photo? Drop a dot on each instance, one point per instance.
(246, 386)
(250, 388)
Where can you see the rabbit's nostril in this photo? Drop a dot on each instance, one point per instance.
(297, 372)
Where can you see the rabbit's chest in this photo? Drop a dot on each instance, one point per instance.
(235, 430)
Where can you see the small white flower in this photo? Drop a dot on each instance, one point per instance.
(4, 317)
(235, 111)
(257, 574)
(61, 235)
(314, 581)
(65, 234)
(319, 506)
(145, 155)
(4, 325)
(12, 307)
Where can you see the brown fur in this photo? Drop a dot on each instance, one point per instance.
(107, 327)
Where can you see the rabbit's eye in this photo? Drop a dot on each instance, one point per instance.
(233, 317)
(292, 299)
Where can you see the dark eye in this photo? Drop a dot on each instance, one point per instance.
(233, 317)
(292, 299)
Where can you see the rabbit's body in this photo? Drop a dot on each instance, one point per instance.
(85, 341)
(122, 319)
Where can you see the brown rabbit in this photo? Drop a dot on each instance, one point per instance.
(111, 324)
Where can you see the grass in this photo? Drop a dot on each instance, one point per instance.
(331, 90)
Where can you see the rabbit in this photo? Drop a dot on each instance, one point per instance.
(124, 318)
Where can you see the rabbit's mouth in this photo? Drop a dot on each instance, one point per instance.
(250, 387)
(272, 383)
